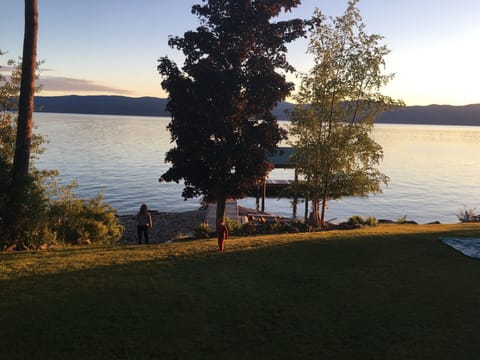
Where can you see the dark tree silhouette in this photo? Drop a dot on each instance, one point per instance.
(221, 100)
(27, 89)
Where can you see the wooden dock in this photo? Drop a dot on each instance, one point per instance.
(231, 212)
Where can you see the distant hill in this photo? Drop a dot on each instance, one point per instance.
(434, 115)
(150, 106)
(102, 104)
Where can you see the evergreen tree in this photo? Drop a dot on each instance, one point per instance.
(221, 100)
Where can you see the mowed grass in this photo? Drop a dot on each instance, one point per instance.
(390, 292)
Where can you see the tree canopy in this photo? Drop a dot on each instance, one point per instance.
(36, 210)
(338, 101)
(221, 100)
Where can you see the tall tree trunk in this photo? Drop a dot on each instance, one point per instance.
(314, 215)
(27, 90)
(324, 204)
(323, 211)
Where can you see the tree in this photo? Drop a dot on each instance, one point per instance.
(36, 210)
(221, 99)
(9, 96)
(338, 101)
(27, 91)
(23, 202)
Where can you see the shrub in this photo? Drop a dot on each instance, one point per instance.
(275, 228)
(37, 212)
(234, 227)
(24, 214)
(80, 221)
(201, 231)
(300, 226)
(249, 228)
(356, 220)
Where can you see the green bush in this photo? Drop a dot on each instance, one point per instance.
(80, 221)
(24, 214)
(234, 227)
(248, 228)
(275, 228)
(300, 226)
(356, 220)
(201, 231)
(36, 212)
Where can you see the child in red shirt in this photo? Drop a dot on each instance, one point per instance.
(222, 235)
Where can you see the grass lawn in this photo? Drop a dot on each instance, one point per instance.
(390, 292)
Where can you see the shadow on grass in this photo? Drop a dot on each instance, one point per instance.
(371, 296)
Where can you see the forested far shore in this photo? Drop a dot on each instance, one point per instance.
(152, 106)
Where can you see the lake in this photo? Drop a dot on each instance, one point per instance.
(434, 170)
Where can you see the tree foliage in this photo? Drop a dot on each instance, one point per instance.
(338, 101)
(35, 210)
(221, 99)
(23, 204)
(9, 100)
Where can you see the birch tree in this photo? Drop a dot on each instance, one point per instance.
(338, 101)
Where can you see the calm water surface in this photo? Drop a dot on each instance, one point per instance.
(434, 170)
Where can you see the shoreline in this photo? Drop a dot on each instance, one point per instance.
(173, 226)
(167, 226)
(170, 226)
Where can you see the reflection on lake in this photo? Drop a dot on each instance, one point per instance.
(434, 170)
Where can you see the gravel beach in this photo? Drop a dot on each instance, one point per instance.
(167, 226)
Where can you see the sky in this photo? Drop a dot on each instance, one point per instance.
(111, 47)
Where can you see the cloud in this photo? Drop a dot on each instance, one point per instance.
(72, 85)
(67, 84)
(7, 70)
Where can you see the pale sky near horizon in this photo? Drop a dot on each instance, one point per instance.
(112, 46)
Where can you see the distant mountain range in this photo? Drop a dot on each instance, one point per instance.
(102, 104)
(434, 115)
(151, 106)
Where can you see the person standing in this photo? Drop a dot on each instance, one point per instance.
(144, 223)
(222, 234)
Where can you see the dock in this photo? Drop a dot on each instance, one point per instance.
(231, 212)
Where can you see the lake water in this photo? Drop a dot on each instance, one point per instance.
(434, 170)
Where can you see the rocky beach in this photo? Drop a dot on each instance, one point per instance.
(170, 226)
(167, 226)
